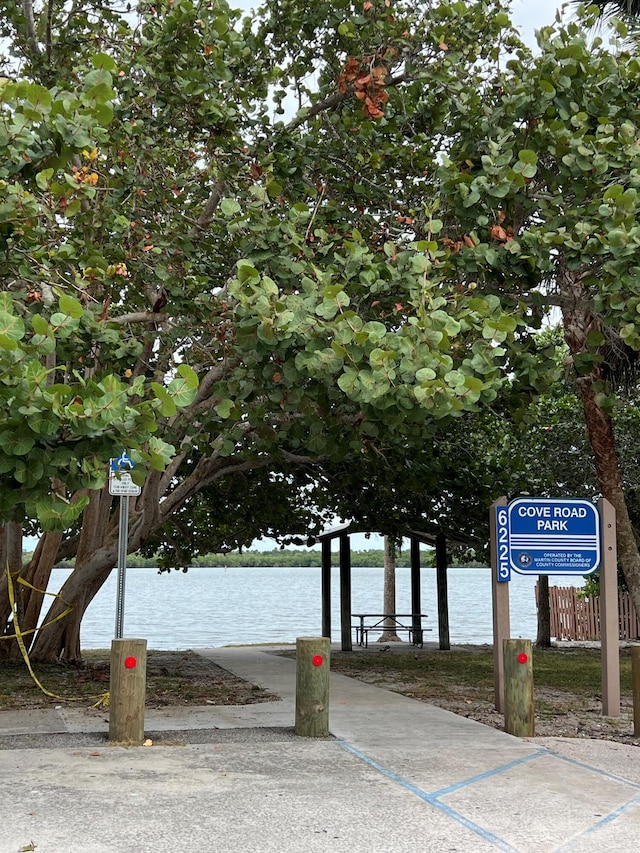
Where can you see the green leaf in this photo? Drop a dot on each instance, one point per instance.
(189, 375)
(11, 327)
(425, 374)
(167, 407)
(70, 306)
(103, 60)
(56, 514)
(229, 207)
(43, 178)
(16, 444)
(528, 156)
(182, 391)
(224, 408)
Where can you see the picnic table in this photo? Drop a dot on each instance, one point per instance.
(408, 623)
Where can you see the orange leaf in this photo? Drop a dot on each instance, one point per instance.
(374, 112)
(367, 5)
(468, 241)
(443, 46)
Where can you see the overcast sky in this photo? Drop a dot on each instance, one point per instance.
(529, 16)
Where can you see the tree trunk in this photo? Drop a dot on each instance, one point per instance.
(601, 437)
(61, 640)
(389, 596)
(11, 559)
(543, 640)
(579, 319)
(37, 573)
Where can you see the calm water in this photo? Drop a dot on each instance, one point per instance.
(215, 606)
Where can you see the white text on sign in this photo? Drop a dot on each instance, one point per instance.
(545, 511)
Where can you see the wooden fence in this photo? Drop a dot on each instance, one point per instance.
(575, 618)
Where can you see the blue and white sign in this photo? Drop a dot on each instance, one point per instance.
(122, 463)
(120, 482)
(548, 536)
(502, 543)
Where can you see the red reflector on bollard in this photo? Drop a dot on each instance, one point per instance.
(130, 663)
(523, 658)
(317, 660)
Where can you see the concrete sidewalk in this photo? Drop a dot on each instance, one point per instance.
(399, 775)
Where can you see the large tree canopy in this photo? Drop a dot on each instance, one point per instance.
(317, 234)
(186, 195)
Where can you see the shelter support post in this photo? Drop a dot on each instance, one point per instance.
(443, 593)
(416, 591)
(345, 592)
(326, 588)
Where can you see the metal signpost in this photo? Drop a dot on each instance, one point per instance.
(121, 483)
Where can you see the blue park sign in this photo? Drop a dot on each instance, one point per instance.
(548, 536)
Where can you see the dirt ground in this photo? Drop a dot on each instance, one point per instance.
(172, 678)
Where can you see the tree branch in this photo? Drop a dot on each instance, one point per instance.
(205, 218)
(27, 9)
(213, 375)
(139, 317)
(333, 100)
(49, 40)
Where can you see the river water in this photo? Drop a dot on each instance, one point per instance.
(209, 607)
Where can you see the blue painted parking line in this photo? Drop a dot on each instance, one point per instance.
(612, 776)
(432, 799)
(605, 821)
(489, 773)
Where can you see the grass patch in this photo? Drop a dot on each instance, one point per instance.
(575, 674)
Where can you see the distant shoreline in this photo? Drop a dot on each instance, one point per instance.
(132, 563)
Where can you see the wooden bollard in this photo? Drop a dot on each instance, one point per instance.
(312, 686)
(128, 684)
(635, 683)
(518, 688)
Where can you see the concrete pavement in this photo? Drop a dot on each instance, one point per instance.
(398, 775)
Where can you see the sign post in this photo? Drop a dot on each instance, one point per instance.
(121, 483)
(609, 615)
